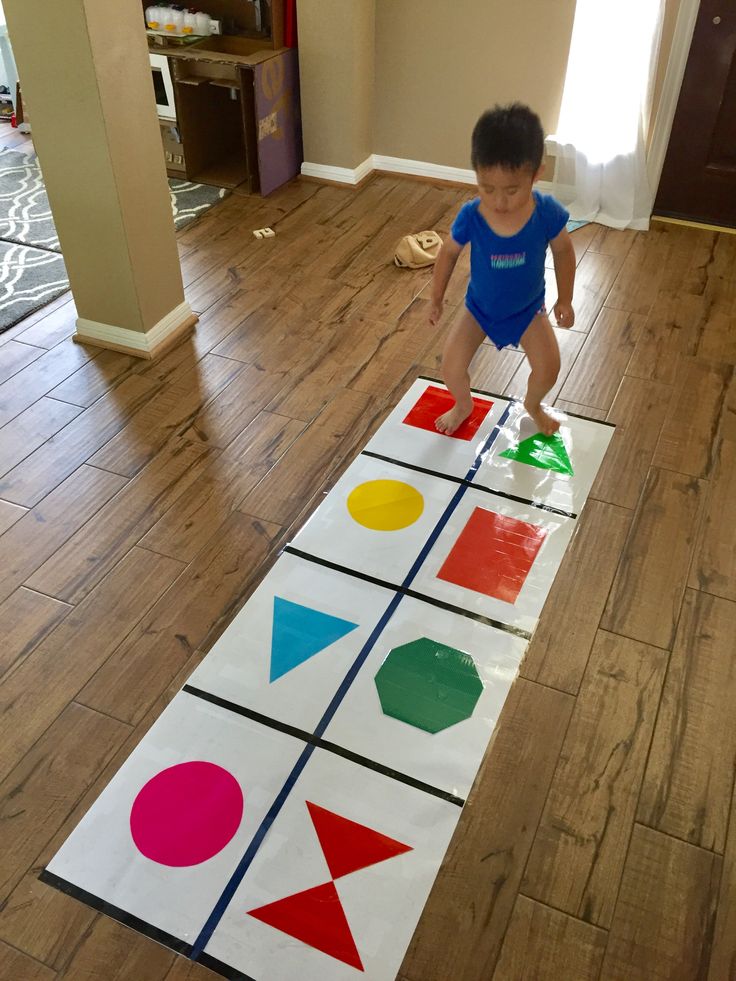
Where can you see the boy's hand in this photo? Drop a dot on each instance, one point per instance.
(564, 315)
(435, 312)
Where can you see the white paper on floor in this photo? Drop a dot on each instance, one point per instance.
(376, 519)
(383, 694)
(429, 695)
(557, 471)
(292, 644)
(375, 859)
(163, 838)
(408, 434)
(497, 558)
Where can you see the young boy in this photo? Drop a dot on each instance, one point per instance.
(509, 227)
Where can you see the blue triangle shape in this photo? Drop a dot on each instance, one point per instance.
(299, 633)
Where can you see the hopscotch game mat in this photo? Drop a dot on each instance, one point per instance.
(286, 816)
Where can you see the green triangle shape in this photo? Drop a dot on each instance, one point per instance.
(546, 452)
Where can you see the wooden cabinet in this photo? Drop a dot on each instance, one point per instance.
(238, 118)
(173, 149)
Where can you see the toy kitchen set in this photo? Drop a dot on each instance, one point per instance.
(227, 92)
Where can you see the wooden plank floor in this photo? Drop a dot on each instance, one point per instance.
(141, 503)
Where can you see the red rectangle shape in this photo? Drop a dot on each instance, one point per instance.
(493, 555)
(434, 401)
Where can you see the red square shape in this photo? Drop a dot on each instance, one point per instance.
(434, 401)
(493, 555)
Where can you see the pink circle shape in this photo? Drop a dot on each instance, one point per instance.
(186, 814)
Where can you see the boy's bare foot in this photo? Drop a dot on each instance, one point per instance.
(547, 424)
(448, 422)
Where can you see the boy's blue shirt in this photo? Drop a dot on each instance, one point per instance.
(507, 272)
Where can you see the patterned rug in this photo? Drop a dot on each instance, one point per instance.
(29, 278)
(32, 271)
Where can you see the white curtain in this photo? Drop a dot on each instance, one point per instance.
(600, 143)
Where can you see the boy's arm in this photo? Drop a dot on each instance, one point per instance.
(443, 267)
(563, 255)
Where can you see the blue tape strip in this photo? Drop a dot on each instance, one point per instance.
(237, 877)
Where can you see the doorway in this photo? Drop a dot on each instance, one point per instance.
(8, 72)
(698, 179)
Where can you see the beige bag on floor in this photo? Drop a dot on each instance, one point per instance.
(417, 251)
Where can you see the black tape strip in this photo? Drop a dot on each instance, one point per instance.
(431, 600)
(417, 468)
(508, 398)
(330, 747)
(224, 970)
(247, 713)
(388, 772)
(525, 500)
(116, 913)
(364, 577)
(467, 483)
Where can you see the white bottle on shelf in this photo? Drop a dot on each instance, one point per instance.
(153, 18)
(190, 22)
(204, 24)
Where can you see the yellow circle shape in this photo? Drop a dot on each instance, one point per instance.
(385, 505)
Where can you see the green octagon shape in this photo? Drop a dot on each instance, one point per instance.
(428, 685)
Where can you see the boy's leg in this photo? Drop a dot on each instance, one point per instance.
(540, 345)
(462, 342)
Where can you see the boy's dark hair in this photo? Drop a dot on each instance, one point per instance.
(508, 136)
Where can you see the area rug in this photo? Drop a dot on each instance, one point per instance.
(27, 279)
(189, 201)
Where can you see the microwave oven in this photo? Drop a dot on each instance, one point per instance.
(163, 86)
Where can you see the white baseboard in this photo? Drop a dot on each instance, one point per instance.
(398, 165)
(134, 341)
(341, 175)
(420, 168)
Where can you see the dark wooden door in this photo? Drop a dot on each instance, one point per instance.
(699, 176)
